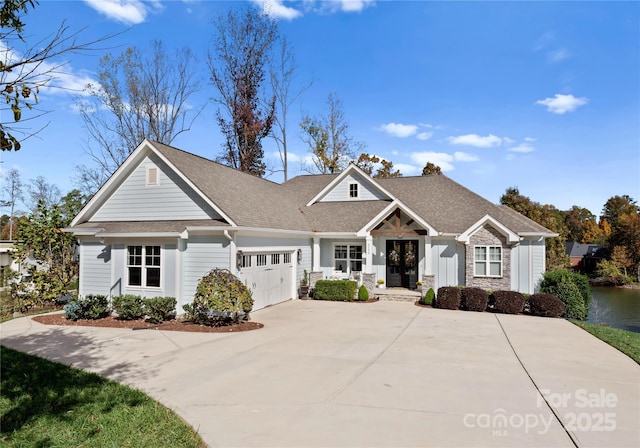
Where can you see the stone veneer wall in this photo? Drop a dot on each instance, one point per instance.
(314, 276)
(488, 236)
(428, 281)
(369, 282)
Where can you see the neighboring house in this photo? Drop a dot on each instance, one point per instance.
(166, 217)
(584, 257)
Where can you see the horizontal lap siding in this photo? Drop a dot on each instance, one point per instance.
(202, 254)
(171, 199)
(95, 269)
(341, 191)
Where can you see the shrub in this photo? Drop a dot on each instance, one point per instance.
(572, 299)
(222, 297)
(428, 297)
(508, 302)
(546, 305)
(344, 290)
(363, 293)
(195, 313)
(552, 279)
(128, 307)
(72, 310)
(159, 309)
(448, 297)
(474, 299)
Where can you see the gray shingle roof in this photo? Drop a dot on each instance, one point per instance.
(250, 201)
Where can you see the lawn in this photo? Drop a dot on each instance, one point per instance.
(628, 342)
(45, 403)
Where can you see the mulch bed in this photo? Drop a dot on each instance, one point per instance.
(170, 325)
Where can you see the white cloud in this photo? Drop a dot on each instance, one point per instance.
(406, 169)
(508, 141)
(464, 157)
(333, 6)
(476, 140)
(399, 130)
(529, 139)
(442, 159)
(278, 10)
(522, 148)
(557, 55)
(130, 12)
(562, 103)
(354, 5)
(424, 135)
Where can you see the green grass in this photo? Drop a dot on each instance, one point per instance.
(47, 404)
(628, 342)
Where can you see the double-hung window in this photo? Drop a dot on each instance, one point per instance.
(347, 258)
(487, 261)
(143, 265)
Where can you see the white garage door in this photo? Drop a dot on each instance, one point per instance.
(269, 276)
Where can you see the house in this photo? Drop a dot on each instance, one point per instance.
(584, 257)
(166, 217)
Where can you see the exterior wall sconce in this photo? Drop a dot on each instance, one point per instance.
(239, 259)
(299, 255)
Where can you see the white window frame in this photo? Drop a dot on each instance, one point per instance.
(487, 261)
(348, 258)
(353, 190)
(144, 267)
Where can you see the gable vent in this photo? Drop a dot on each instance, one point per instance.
(152, 176)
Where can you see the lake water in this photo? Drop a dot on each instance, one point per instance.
(617, 307)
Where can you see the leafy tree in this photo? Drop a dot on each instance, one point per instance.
(621, 259)
(431, 169)
(547, 216)
(286, 90)
(384, 168)
(71, 204)
(141, 93)
(617, 206)
(575, 220)
(241, 46)
(41, 237)
(593, 233)
(12, 192)
(26, 69)
(627, 235)
(331, 146)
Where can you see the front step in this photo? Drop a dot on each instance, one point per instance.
(397, 295)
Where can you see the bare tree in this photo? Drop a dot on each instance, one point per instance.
(331, 146)
(27, 68)
(39, 190)
(237, 60)
(141, 94)
(286, 91)
(11, 194)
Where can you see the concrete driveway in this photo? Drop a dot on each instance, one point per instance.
(386, 374)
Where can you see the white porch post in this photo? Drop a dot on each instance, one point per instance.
(316, 254)
(428, 258)
(368, 264)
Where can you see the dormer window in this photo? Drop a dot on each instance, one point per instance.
(353, 190)
(152, 176)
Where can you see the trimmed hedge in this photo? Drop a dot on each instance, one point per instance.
(474, 299)
(555, 282)
(159, 309)
(507, 302)
(546, 305)
(91, 306)
(428, 298)
(128, 307)
(363, 293)
(448, 298)
(344, 290)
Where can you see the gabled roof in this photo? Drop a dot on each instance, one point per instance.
(244, 201)
(580, 250)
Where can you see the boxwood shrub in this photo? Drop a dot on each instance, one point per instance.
(159, 309)
(363, 293)
(555, 282)
(448, 297)
(508, 302)
(428, 298)
(546, 305)
(474, 299)
(91, 306)
(128, 307)
(344, 290)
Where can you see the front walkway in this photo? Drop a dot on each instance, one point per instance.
(386, 374)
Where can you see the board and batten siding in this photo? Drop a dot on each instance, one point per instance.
(170, 199)
(95, 268)
(201, 254)
(447, 262)
(527, 265)
(340, 192)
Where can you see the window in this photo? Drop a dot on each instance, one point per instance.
(487, 261)
(261, 260)
(152, 176)
(287, 258)
(275, 258)
(143, 265)
(246, 261)
(353, 190)
(347, 258)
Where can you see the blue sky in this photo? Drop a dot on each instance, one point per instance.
(544, 96)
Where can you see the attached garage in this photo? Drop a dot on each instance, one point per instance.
(270, 276)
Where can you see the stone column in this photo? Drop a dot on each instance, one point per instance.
(369, 282)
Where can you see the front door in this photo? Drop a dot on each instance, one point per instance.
(402, 263)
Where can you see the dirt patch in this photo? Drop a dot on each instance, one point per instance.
(170, 325)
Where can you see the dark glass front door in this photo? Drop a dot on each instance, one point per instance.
(402, 263)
